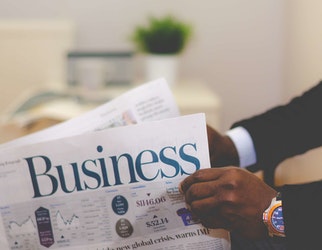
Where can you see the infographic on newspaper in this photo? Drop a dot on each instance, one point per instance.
(110, 189)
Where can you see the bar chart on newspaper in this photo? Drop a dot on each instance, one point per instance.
(100, 218)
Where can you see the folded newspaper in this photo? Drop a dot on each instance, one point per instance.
(93, 183)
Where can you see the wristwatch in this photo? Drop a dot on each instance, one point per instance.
(273, 217)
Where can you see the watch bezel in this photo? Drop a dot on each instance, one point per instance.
(272, 217)
(268, 217)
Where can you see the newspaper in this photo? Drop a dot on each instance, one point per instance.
(113, 188)
(147, 102)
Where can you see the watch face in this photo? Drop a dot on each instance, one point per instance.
(277, 219)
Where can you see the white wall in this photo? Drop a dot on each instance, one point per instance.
(303, 69)
(236, 49)
(32, 56)
(303, 45)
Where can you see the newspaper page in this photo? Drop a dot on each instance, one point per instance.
(147, 102)
(113, 189)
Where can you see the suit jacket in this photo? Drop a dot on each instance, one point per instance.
(282, 132)
(287, 130)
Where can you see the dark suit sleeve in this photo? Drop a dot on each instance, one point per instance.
(287, 130)
(302, 213)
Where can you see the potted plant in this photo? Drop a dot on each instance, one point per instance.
(162, 40)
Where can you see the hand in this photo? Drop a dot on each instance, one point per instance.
(222, 150)
(231, 198)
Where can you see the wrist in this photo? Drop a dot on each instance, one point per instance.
(224, 153)
(232, 153)
(222, 149)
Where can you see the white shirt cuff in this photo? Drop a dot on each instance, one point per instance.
(244, 145)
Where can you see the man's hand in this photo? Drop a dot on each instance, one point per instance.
(222, 150)
(231, 198)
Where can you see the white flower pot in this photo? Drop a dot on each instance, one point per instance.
(162, 66)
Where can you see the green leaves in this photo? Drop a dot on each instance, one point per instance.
(165, 35)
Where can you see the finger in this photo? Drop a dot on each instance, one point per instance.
(213, 213)
(214, 219)
(216, 222)
(201, 190)
(205, 207)
(228, 223)
(202, 175)
(219, 218)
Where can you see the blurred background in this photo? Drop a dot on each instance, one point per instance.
(252, 54)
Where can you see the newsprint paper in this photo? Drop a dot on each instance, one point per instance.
(114, 188)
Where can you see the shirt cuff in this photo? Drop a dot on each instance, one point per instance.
(244, 145)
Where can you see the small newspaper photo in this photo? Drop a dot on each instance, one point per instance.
(107, 180)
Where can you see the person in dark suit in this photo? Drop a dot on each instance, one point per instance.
(230, 197)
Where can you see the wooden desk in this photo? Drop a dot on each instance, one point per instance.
(10, 131)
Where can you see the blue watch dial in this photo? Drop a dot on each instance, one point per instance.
(277, 219)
